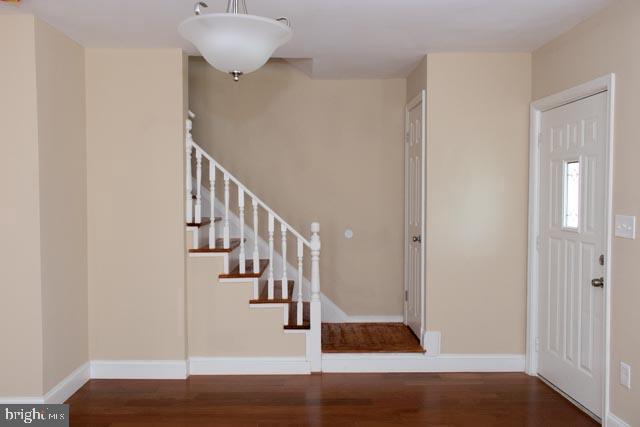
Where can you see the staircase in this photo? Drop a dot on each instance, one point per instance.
(219, 230)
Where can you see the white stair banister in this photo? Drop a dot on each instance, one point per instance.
(316, 321)
(212, 198)
(270, 277)
(243, 255)
(256, 253)
(300, 278)
(285, 281)
(188, 178)
(250, 194)
(198, 218)
(226, 231)
(314, 353)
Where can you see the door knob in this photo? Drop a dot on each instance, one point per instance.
(598, 283)
(417, 238)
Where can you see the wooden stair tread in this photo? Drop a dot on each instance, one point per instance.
(205, 221)
(235, 272)
(293, 316)
(263, 295)
(233, 244)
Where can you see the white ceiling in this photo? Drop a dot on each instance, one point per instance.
(344, 38)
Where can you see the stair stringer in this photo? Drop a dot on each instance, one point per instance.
(222, 324)
(229, 259)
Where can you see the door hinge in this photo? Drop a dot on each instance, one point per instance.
(601, 259)
(406, 295)
(537, 343)
(538, 244)
(539, 139)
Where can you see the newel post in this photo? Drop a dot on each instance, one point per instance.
(188, 178)
(316, 309)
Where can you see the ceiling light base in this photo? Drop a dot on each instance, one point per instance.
(236, 75)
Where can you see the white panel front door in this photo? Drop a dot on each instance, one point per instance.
(572, 248)
(414, 214)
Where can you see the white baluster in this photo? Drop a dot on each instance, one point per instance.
(243, 266)
(212, 210)
(198, 187)
(227, 242)
(300, 278)
(270, 279)
(188, 178)
(316, 319)
(285, 284)
(256, 253)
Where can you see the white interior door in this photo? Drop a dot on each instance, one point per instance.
(415, 213)
(572, 246)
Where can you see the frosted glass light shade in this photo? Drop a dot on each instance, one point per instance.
(234, 42)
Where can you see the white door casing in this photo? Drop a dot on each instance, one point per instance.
(414, 254)
(572, 239)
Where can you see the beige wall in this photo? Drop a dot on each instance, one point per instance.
(477, 168)
(63, 205)
(325, 150)
(20, 304)
(44, 278)
(610, 42)
(417, 79)
(135, 203)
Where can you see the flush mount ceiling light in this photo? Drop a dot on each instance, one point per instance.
(235, 42)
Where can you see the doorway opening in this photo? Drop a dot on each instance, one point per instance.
(408, 336)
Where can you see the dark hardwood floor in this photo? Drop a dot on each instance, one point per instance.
(326, 400)
(369, 338)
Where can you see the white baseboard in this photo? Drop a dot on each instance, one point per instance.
(613, 421)
(374, 319)
(59, 393)
(248, 366)
(72, 383)
(403, 362)
(331, 313)
(346, 362)
(139, 369)
(431, 342)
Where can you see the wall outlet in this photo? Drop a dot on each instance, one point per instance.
(625, 375)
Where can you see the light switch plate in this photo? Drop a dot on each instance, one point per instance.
(626, 226)
(625, 375)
